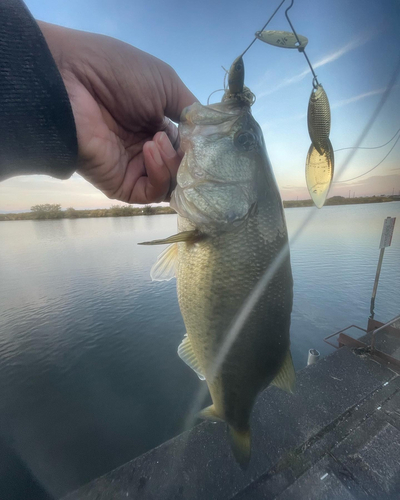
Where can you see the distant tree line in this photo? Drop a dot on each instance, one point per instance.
(54, 211)
(341, 200)
(47, 211)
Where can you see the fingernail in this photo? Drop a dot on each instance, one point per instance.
(156, 154)
(166, 146)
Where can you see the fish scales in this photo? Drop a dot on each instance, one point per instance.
(214, 279)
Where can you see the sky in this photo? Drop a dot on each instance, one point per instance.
(354, 48)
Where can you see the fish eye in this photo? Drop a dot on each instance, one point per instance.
(245, 141)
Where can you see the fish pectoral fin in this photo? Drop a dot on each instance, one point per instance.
(286, 378)
(186, 353)
(241, 446)
(165, 266)
(189, 236)
(210, 413)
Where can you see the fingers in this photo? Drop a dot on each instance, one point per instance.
(161, 163)
(171, 158)
(178, 96)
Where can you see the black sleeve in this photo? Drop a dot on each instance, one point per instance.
(37, 128)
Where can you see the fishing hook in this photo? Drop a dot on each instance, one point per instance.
(300, 48)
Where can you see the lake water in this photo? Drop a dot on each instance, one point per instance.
(89, 375)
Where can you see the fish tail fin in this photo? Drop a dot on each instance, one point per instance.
(241, 446)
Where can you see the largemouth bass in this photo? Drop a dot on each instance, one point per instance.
(231, 231)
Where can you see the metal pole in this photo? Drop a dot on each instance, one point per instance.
(378, 272)
(313, 356)
(386, 241)
(397, 318)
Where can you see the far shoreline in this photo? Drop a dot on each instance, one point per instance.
(53, 211)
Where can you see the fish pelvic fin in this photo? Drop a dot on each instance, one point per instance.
(164, 267)
(188, 236)
(210, 413)
(241, 446)
(286, 377)
(186, 353)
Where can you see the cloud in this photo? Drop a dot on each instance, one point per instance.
(370, 186)
(353, 44)
(20, 193)
(344, 102)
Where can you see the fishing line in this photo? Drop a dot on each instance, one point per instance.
(265, 25)
(219, 90)
(373, 147)
(300, 48)
(374, 116)
(373, 168)
(246, 308)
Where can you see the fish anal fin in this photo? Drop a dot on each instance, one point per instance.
(211, 414)
(188, 236)
(186, 353)
(241, 446)
(286, 377)
(165, 265)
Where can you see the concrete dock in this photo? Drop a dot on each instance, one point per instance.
(337, 437)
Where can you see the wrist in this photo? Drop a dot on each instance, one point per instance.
(55, 39)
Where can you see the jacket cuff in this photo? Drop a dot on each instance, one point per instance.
(37, 127)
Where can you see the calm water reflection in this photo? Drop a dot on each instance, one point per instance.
(89, 375)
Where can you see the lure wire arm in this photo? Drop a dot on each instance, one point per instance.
(265, 25)
(300, 48)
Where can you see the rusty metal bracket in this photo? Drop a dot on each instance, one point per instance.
(374, 328)
(340, 332)
(389, 323)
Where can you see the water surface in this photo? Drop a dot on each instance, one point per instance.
(89, 375)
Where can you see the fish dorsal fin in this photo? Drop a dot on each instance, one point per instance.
(186, 353)
(190, 236)
(286, 377)
(165, 265)
(211, 414)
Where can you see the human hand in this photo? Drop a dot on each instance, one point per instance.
(122, 100)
